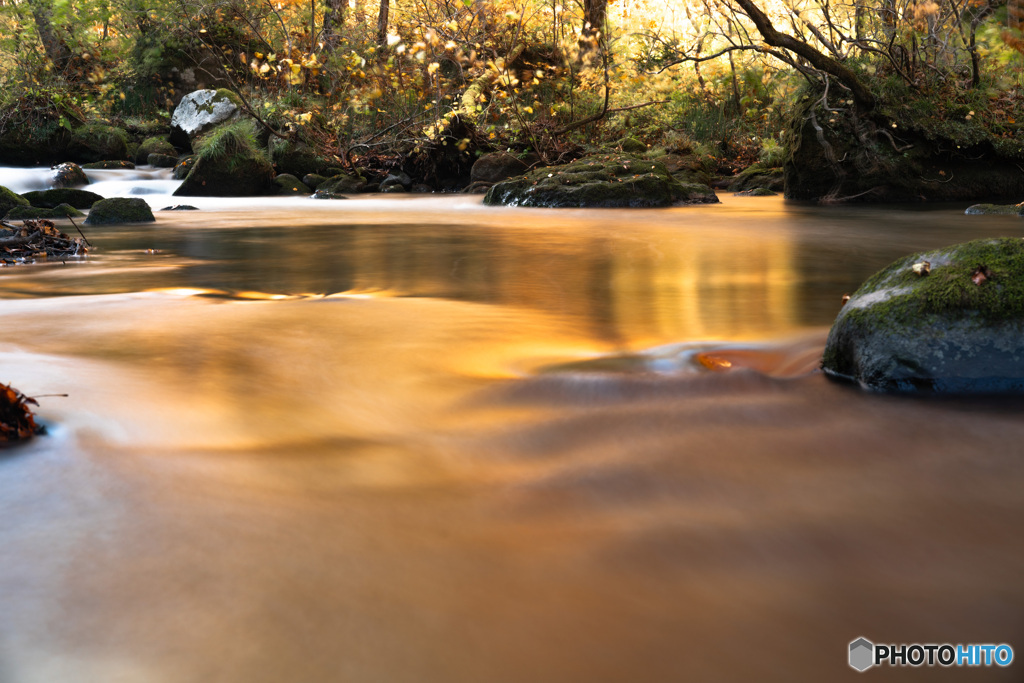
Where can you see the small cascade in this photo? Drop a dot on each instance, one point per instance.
(106, 182)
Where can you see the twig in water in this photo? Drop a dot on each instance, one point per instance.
(87, 242)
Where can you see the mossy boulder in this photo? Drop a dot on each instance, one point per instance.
(945, 321)
(757, 192)
(68, 174)
(495, 167)
(759, 176)
(120, 210)
(343, 183)
(631, 146)
(48, 199)
(229, 163)
(995, 210)
(20, 213)
(113, 164)
(295, 158)
(98, 142)
(289, 184)
(154, 145)
(162, 160)
(182, 168)
(39, 142)
(609, 180)
(200, 112)
(9, 200)
(313, 180)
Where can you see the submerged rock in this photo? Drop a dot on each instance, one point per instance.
(120, 210)
(608, 180)
(945, 321)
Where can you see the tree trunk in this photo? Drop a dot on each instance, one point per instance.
(334, 19)
(56, 49)
(861, 95)
(382, 23)
(594, 13)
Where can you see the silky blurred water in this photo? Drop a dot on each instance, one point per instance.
(419, 439)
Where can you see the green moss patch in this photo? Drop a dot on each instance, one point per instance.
(608, 180)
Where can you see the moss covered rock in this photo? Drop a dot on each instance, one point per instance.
(944, 321)
(120, 210)
(295, 158)
(154, 145)
(289, 184)
(182, 168)
(229, 163)
(343, 183)
(98, 142)
(162, 160)
(20, 213)
(313, 180)
(758, 176)
(48, 199)
(111, 165)
(9, 200)
(995, 210)
(631, 146)
(495, 167)
(610, 180)
(36, 143)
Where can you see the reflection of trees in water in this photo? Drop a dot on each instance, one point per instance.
(657, 285)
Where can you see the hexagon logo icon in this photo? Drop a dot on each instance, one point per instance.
(862, 654)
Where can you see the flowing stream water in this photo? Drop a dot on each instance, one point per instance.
(417, 439)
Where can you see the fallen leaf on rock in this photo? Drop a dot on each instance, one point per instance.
(980, 274)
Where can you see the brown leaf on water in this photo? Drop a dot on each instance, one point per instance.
(17, 422)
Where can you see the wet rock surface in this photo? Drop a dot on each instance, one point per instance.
(607, 180)
(945, 321)
(120, 210)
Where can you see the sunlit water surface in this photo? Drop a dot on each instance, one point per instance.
(416, 439)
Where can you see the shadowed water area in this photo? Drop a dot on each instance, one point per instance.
(416, 439)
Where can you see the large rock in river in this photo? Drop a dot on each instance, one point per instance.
(607, 180)
(228, 163)
(120, 210)
(944, 321)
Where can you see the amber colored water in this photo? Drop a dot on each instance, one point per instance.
(416, 440)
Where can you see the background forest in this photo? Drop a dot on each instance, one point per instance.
(716, 77)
